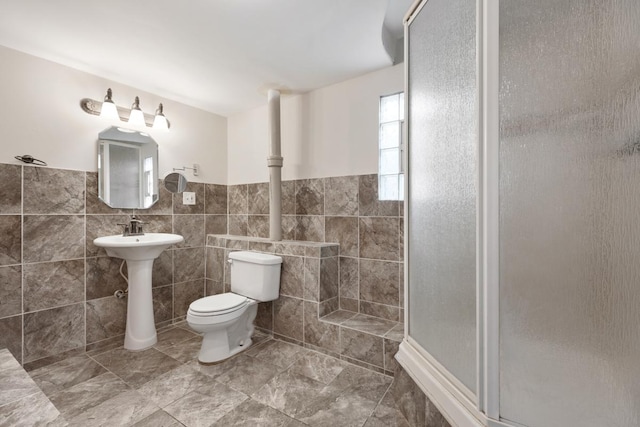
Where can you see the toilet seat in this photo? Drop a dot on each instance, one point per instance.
(218, 305)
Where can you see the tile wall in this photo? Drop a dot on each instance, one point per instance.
(56, 287)
(306, 312)
(343, 210)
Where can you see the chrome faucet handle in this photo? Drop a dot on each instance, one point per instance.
(126, 231)
(135, 226)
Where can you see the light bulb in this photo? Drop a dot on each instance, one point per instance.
(136, 118)
(160, 121)
(109, 110)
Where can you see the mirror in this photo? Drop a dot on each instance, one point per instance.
(175, 182)
(127, 168)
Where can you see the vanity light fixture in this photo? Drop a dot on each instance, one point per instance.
(133, 115)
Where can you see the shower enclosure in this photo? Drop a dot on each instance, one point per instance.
(523, 208)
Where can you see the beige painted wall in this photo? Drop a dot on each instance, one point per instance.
(332, 131)
(40, 115)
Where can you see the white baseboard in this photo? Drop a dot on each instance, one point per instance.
(439, 390)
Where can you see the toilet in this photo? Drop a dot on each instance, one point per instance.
(226, 320)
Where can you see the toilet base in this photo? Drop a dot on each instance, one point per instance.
(224, 340)
(217, 362)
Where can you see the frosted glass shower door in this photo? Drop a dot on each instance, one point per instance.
(442, 108)
(570, 213)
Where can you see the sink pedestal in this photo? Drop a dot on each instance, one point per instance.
(141, 330)
(139, 251)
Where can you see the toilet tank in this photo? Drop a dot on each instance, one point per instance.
(255, 275)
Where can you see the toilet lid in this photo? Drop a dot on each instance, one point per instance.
(216, 303)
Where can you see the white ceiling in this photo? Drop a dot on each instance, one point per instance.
(218, 55)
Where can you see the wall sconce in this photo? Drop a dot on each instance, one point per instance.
(133, 115)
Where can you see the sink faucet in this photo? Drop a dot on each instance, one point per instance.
(133, 227)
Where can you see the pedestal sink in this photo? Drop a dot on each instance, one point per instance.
(139, 252)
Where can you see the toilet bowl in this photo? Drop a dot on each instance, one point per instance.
(226, 320)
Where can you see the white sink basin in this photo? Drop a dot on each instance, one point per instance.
(137, 248)
(139, 252)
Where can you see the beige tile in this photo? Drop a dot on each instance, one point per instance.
(34, 409)
(311, 291)
(83, 396)
(342, 230)
(10, 291)
(277, 353)
(126, 408)
(287, 317)
(53, 237)
(215, 224)
(310, 197)
(103, 277)
(162, 274)
(102, 225)
(251, 413)
(162, 303)
(106, 318)
(53, 191)
(361, 346)
(318, 333)
(258, 226)
(198, 208)
(10, 189)
(292, 276)
(184, 294)
(136, 368)
(173, 385)
(310, 228)
(237, 199)
(53, 331)
(341, 195)
(174, 336)
(318, 367)
(289, 392)
(247, 374)
(66, 374)
(191, 227)
(205, 406)
(215, 199)
(369, 204)
(379, 282)
(388, 312)
(329, 278)
(11, 242)
(369, 324)
(159, 419)
(258, 199)
(379, 238)
(16, 384)
(188, 264)
(238, 225)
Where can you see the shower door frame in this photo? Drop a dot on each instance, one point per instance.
(454, 400)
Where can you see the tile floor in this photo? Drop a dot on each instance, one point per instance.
(273, 383)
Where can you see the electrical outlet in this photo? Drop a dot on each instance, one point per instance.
(188, 198)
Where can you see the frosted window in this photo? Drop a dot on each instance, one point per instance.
(389, 187)
(391, 147)
(569, 206)
(390, 161)
(389, 108)
(390, 135)
(442, 188)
